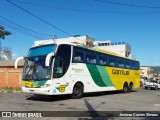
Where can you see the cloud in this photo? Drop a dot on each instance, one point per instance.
(14, 56)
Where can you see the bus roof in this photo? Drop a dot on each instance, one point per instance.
(105, 51)
(86, 47)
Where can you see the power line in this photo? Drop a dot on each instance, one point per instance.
(68, 9)
(125, 4)
(24, 27)
(38, 17)
(42, 19)
(84, 10)
(56, 7)
(19, 30)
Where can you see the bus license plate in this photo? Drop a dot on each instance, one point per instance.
(32, 91)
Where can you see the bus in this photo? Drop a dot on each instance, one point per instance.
(67, 68)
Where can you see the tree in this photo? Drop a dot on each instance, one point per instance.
(3, 32)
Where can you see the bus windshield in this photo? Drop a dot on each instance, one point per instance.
(35, 69)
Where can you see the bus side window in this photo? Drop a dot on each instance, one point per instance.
(58, 68)
(62, 61)
(93, 61)
(127, 64)
(133, 65)
(112, 61)
(78, 56)
(102, 60)
(120, 63)
(77, 59)
(91, 57)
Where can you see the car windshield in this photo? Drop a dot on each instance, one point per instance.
(35, 69)
(154, 81)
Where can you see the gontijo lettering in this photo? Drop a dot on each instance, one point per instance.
(120, 72)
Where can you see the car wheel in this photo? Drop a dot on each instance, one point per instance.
(145, 87)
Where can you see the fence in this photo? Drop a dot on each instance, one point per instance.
(10, 78)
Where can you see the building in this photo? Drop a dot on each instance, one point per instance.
(84, 40)
(146, 72)
(9, 64)
(121, 48)
(9, 76)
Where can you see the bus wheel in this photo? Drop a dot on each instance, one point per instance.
(125, 88)
(130, 87)
(77, 91)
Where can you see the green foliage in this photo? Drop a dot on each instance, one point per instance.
(10, 89)
(3, 32)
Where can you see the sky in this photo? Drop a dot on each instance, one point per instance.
(136, 22)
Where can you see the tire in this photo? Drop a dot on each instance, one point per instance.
(125, 88)
(145, 87)
(130, 87)
(77, 91)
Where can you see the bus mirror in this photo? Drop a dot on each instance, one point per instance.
(17, 60)
(47, 61)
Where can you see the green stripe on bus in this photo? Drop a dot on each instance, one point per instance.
(95, 75)
(42, 82)
(39, 83)
(35, 83)
(104, 75)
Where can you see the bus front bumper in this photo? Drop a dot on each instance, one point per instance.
(41, 91)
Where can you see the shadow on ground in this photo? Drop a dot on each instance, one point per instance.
(52, 98)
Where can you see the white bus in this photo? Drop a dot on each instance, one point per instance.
(56, 69)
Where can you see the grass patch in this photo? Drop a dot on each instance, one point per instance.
(10, 89)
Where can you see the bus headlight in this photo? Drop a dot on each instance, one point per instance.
(45, 85)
